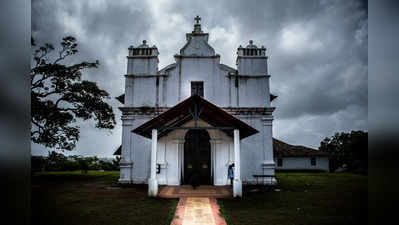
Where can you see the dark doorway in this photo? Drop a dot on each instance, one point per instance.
(197, 156)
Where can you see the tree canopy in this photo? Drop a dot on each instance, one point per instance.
(59, 162)
(59, 96)
(350, 149)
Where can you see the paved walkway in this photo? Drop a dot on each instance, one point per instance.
(201, 191)
(197, 211)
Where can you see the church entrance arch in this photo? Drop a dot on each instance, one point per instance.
(197, 156)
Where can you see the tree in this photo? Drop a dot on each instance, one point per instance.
(347, 148)
(59, 96)
(56, 161)
(94, 163)
(107, 166)
(115, 163)
(71, 165)
(83, 164)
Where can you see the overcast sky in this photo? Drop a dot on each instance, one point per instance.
(317, 54)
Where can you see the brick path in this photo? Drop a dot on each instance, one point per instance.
(197, 211)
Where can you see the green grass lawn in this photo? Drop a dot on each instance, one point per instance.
(95, 198)
(305, 198)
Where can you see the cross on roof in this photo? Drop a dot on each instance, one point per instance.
(197, 18)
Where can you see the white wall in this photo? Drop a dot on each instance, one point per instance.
(303, 163)
(254, 92)
(144, 91)
(171, 149)
(178, 83)
(252, 65)
(219, 88)
(255, 151)
(142, 65)
(171, 146)
(168, 158)
(136, 150)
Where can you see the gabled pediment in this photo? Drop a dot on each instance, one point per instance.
(197, 45)
(195, 106)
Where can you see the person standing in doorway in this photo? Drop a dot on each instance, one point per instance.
(230, 173)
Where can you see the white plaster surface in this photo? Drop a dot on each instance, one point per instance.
(196, 61)
(303, 163)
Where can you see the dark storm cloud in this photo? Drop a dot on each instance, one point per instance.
(325, 80)
(318, 53)
(321, 81)
(318, 63)
(104, 32)
(118, 23)
(44, 23)
(318, 59)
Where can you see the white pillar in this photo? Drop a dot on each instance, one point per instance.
(126, 164)
(152, 182)
(237, 184)
(213, 164)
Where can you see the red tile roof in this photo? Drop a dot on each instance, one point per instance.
(282, 149)
(180, 113)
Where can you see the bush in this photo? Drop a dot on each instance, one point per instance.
(107, 166)
(94, 166)
(71, 166)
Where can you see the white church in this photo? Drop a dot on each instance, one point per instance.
(196, 116)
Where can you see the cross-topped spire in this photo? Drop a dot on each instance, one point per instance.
(197, 25)
(197, 19)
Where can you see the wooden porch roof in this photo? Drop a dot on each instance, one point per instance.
(183, 112)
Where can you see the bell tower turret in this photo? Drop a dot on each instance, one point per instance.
(141, 76)
(251, 60)
(143, 60)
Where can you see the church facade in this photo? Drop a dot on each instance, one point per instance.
(196, 117)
